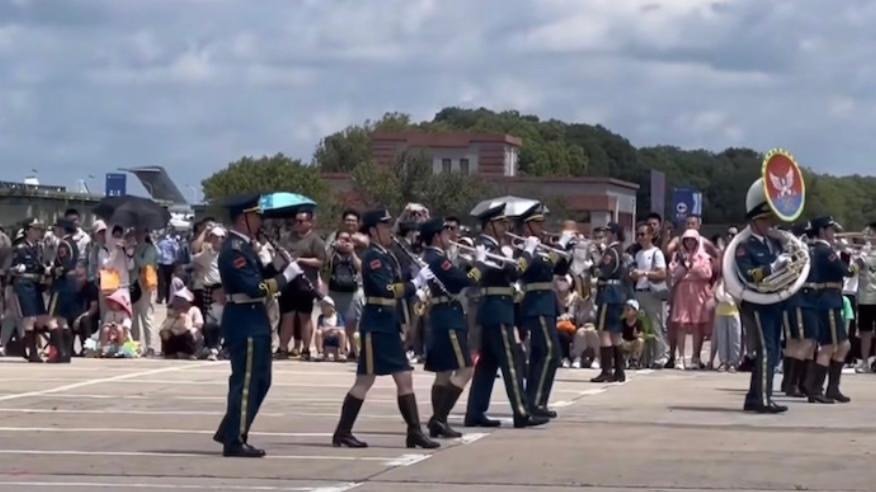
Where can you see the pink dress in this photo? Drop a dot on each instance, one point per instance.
(692, 292)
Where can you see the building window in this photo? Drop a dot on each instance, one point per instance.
(463, 167)
(446, 165)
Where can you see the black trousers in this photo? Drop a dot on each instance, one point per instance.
(165, 272)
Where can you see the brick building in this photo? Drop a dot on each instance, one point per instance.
(593, 201)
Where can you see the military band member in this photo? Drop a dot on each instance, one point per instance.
(499, 344)
(245, 325)
(539, 311)
(757, 258)
(28, 272)
(611, 296)
(447, 352)
(65, 304)
(800, 323)
(382, 352)
(832, 335)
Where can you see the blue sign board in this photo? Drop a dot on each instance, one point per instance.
(116, 184)
(686, 202)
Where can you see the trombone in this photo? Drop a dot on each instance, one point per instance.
(501, 259)
(518, 240)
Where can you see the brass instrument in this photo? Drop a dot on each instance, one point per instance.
(517, 242)
(490, 256)
(422, 305)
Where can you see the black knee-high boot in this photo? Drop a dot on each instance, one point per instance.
(835, 372)
(815, 383)
(619, 375)
(407, 405)
(605, 362)
(438, 425)
(344, 432)
(789, 379)
(802, 372)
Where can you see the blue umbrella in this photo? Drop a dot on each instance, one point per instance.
(284, 204)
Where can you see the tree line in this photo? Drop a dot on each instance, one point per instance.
(550, 148)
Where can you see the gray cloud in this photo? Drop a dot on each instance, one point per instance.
(88, 86)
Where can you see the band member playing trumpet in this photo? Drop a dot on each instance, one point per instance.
(539, 312)
(757, 258)
(447, 353)
(832, 336)
(382, 351)
(611, 296)
(499, 344)
(866, 263)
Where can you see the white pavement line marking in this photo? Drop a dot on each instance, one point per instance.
(177, 382)
(155, 431)
(473, 437)
(129, 485)
(561, 404)
(343, 487)
(408, 459)
(94, 396)
(170, 411)
(111, 379)
(643, 372)
(387, 460)
(591, 392)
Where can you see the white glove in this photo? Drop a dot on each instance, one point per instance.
(565, 238)
(530, 244)
(480, 255)
(422, 295)
(508, 251)
(292, 271)
(20, 268)
(423, 277)
(780, 262)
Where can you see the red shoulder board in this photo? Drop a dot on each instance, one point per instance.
(606, 259)
(740, 251)
(446, 265)
(240, 262)
(375, 264)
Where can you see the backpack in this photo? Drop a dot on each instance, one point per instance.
(343, 276)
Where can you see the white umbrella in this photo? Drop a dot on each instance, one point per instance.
(514, 205)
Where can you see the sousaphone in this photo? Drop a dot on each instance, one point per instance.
(782, 189)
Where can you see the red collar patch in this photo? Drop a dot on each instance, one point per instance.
(375, 264)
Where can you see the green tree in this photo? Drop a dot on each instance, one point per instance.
(269, 174)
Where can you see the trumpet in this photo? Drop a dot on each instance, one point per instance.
(518, 240)
(422, 304)
(490, 256)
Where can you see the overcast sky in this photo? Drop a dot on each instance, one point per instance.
(90, 86)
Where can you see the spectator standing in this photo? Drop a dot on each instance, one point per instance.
(691, 274)
(145, 275)
(652, 291)
(205, 268)
(168, 252)
(296, 301)
(344, 273)
(727, 330)
(866, 264)
(80, 237)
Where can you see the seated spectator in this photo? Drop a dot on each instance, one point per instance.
(633, 334)
(330, 333)
(181, 331)
(115, 333)
(579, 341)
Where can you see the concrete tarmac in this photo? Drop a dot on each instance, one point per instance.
(125, 425)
